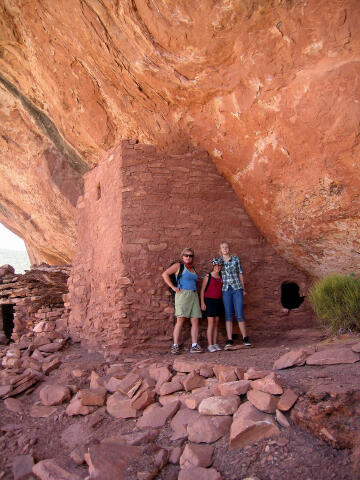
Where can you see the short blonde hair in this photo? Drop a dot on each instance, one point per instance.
(187, 250)
(222, 243)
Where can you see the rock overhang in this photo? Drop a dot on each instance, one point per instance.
(270, 91)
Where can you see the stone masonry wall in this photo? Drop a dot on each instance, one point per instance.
(139, 210)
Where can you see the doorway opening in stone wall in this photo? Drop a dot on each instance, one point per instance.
(7, 311)
(290, 295)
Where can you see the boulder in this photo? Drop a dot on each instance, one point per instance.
(250, 425)
(206, 372)
(112, 384)
(75, 407)
(239, 387)
(111, 460)
(14, 405)
(196, 456)
(225, 373)
(294, 358)
(146, 398)
(194, 399)
(170, 387)
(219, 405)
(155, 416)
(160, 373)
(269, 384)
(333, 356)
(208, 429)
(129, 384)
(49, 470)
(287, 400)
(262, 401)
(54, 395)
(181, 420)
(192, 381)
(93, 397)
(120, 406)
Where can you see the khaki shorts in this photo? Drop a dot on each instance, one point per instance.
(187, 304)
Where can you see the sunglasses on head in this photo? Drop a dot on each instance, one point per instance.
(188, 255)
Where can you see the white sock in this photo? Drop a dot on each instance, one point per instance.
(193, 344)
(176, 344)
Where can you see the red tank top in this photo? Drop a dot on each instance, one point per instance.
(214, 289)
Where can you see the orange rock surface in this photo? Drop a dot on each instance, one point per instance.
(269, 89)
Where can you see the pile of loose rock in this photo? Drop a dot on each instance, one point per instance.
(194, 402)
(37, 298)
(202, 403)
(25, 364)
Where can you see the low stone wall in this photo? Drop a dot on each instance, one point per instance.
(139, 210)
(36, 300)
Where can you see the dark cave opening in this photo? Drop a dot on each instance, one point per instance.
(290, 295)
(8, 319)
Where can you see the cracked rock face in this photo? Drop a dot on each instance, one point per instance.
(269, 89)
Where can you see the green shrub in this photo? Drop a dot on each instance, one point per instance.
(336, 302)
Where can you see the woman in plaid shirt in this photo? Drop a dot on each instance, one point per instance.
(233, 290)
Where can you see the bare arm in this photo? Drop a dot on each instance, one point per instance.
(166, 276)
(202, 292)
(241, 276)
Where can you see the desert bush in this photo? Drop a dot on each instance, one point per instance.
(336, 302)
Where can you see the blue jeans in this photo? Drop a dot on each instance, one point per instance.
(233, 298)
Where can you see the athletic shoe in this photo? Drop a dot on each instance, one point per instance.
(196, 349)
(217, 347)
(228, 345)
(175, 350)
(247, 342)
(212, 349)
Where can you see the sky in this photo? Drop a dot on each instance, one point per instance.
(10, 241)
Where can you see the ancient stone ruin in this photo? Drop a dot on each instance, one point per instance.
(32, 302)
(140, 208)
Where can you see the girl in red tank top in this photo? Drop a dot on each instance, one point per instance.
(211, 302)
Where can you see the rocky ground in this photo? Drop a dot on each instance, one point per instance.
(150, 415)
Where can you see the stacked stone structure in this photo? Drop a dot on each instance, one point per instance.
(33, 300)
(140, 208)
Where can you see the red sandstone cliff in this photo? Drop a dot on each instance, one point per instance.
(269, 88)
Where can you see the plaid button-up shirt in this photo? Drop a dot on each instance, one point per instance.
(230, 273)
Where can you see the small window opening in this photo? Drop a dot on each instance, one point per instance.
(98, 191)
(8, 319)
(290, 295)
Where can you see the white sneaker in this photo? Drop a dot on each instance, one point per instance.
(196, 349)
(211, 349)
(217, 347)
